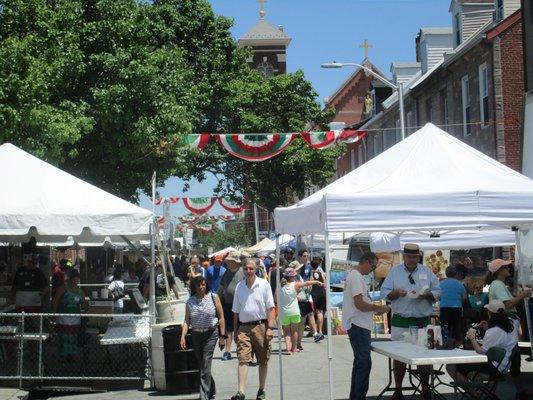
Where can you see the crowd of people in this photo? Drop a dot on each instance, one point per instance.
(233, 300)
(467, 312)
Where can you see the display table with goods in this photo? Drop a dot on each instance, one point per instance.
(415, 355)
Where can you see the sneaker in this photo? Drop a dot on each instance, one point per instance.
(318, 337)
(299, 347)
(226, 356)
(238, 396)
(260, 395)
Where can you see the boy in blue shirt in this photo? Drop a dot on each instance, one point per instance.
(453, 293)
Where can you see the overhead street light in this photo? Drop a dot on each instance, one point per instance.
(398, 88)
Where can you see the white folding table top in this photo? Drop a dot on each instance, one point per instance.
(415, 355)
(131, 331)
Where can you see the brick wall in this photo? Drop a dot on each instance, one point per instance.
(512, 93)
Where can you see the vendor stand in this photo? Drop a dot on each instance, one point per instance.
(430, 183)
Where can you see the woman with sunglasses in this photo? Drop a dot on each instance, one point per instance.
(498, 273)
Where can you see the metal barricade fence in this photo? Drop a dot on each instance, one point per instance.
(74, 347)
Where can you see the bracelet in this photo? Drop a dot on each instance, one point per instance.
(271, 328)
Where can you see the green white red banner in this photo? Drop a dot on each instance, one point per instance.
(198, 140)
(230, 206)
(198, 205)
(255, 147)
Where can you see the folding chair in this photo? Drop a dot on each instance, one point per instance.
(481, 385)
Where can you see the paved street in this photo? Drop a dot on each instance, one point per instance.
(305, 377)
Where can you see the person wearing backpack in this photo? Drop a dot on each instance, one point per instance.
(117, 290)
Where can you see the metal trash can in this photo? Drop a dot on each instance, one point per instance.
(182, 371)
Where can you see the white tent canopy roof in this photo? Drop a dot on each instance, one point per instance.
(463, 239)
(429, 181)
(41, 200)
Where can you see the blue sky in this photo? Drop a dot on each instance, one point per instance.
(324, 31)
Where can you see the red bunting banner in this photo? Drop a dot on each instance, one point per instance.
(230, 206)
(198, 205)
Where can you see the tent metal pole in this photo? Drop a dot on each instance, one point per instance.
(329, 318)
(280, 328)
(152, 271)
(526, 300)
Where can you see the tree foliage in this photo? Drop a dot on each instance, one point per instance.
(235, 235)
(106, 89)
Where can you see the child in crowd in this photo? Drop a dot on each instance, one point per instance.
(288, 307)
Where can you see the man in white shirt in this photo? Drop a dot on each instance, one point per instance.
(357, 315)
(253, 308)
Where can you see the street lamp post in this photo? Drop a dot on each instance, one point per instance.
(398, 88)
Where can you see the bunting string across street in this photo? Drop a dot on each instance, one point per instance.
(262, 146)
(202, 205)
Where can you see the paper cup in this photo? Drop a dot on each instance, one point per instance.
(104, 293)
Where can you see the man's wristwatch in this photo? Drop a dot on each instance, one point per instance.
(271, 328)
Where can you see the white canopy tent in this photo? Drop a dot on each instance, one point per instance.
(461, 239)
(43, 201)
(430, 183)
(258, 246)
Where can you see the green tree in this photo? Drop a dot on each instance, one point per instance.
(106, 89)
(235, 236)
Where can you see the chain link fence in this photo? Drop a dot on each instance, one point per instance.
(36, 348)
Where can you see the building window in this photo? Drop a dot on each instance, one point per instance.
(457, 23)
(444, 103)
(266, 68)
(429, 110)
(465, 96)
(398, 131)
(409, 123)
(483, 95)
(377, 144)
(498, 12)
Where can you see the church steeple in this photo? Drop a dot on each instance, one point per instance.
(268, 44)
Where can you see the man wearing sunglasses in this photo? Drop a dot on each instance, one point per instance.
(411, 288)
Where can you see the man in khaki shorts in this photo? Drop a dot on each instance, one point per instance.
(253, 309)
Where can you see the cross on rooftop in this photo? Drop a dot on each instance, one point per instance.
(366, 45)
(262, 11)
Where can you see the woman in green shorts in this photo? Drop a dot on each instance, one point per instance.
(288, 305)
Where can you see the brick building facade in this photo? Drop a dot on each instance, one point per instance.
(474, 92)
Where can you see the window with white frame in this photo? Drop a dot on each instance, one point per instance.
(465, 97)
(398, 132)
(444, 104)
(483, 95)
(410, 122)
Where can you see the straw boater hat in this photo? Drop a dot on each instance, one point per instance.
(496, 264)
(411, 249)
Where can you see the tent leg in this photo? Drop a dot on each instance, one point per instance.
(280, 329)
(526, 300)
(329, 321)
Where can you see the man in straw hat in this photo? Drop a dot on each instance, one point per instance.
(411, 288)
